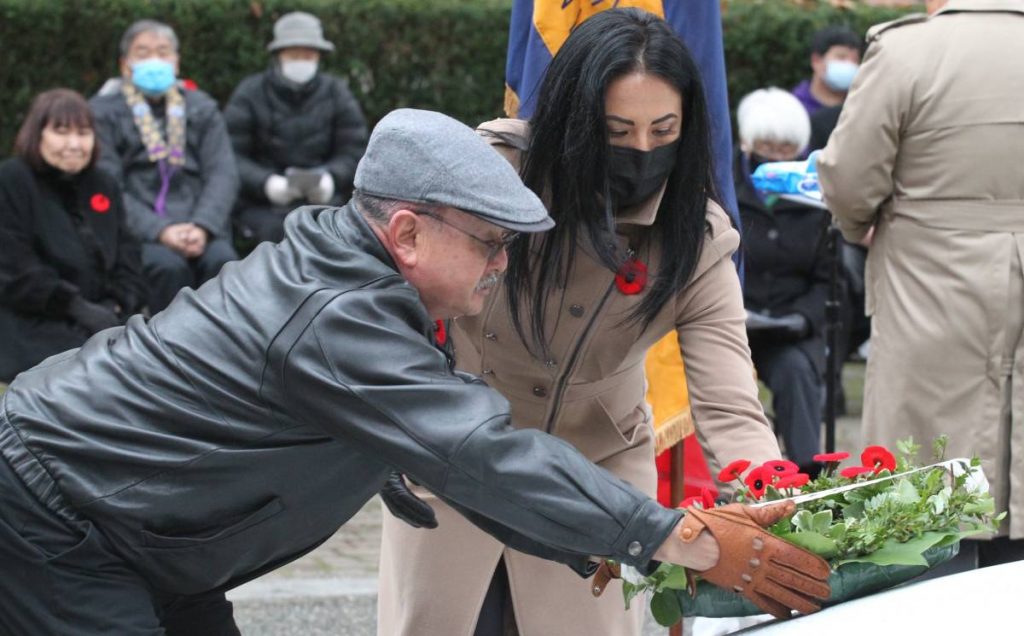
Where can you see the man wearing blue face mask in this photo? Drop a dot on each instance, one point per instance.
(170, 151)
(835, 58)
(297, 132)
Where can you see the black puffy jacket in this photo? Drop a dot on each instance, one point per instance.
(246, 422)
(275, 125)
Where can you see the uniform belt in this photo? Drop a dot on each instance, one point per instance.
(975, 216)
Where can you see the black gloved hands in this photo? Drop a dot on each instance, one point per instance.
(787, 327)
(405, 505)
(92, 316)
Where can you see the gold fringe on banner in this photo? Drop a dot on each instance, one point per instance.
(672, 431)
(511, 102)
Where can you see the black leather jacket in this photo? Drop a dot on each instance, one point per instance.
(243, 425)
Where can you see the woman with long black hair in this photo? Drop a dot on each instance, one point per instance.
(619, 150)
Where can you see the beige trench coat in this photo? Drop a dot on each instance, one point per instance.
(929, 150)
(590, 393)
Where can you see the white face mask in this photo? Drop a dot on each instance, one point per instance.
(298, 71)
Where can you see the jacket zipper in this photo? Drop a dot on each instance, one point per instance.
(563, 381)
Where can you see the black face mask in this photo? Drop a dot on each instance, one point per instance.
(635, 175)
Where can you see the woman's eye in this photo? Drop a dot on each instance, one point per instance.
(617, 133)
(664, 132)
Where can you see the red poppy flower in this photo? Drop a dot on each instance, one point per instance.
(781, 467)
(757, 481)
(440, 333)
(707, 499)
(733, 470)
(831, 457)
(189, 84)
(854, 471)
(878, 458)
(99, 203)
(796, 480)
(690, 501)
(632, 277)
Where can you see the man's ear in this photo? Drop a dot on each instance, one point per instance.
(403, 233)
(122, 64)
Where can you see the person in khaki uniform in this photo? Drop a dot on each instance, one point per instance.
(927, 156)
(655, 259)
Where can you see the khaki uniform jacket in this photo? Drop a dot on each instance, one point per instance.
(928, 150)
(590, 393)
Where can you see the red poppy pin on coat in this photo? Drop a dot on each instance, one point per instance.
(440, 333)
(99, 203)
(631, 277)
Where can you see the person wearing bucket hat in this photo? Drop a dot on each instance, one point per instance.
(297, 132)
(171, 459)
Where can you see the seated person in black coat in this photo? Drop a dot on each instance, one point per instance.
(298, 133)
(68, 267)
(787, 273)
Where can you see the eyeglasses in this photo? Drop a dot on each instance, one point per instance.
(493, 247)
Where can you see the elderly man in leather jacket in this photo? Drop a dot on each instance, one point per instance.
(169, 460)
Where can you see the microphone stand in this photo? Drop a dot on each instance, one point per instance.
(833, 329)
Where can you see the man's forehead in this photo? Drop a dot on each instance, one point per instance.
(151, 40)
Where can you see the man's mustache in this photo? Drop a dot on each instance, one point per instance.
(488, 281)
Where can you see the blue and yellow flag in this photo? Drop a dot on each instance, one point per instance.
(539, 27)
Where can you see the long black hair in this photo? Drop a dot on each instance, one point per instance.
(567, 160)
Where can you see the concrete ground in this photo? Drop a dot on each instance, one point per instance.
(333, 590)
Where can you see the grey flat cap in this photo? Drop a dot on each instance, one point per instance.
(299, 29)
(426, 157)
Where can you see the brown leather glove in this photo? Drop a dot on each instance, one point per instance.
(775, 575)
(604, 574)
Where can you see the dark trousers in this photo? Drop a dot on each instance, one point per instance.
(497, 618)
(167, 272)
(59, 575)
(797, 394)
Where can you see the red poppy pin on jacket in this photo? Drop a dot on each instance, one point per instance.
(632, 276)
(99, 203)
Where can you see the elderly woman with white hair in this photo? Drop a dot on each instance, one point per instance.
(787, 273)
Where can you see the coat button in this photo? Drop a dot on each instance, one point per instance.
(773, 234)
(576, 310)
(687, 533)
(488, 372)
(540, 391)
(490, 335)
(635, 548)
(551, 364)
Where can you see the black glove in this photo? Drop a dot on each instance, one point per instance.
(788, 327)
(405, 505)
(92, 316)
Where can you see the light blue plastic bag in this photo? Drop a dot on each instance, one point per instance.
(789, 177)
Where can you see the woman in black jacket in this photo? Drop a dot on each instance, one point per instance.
(68, 268)
(787, 273)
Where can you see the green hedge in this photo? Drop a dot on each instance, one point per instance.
(446, 55)
(767, 42)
